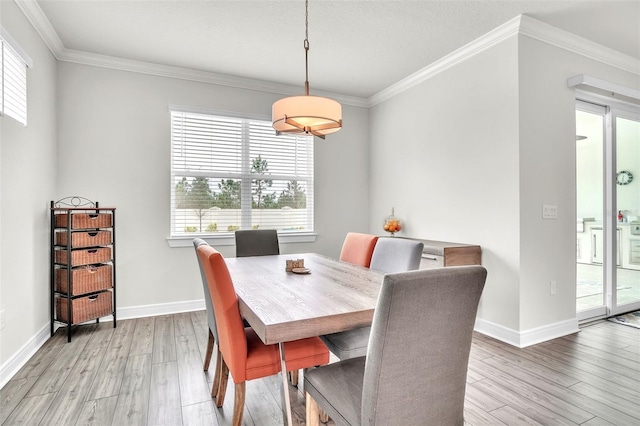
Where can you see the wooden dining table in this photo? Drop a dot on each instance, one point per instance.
(282, 306)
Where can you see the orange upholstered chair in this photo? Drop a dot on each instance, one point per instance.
(358, 248)
(243, 353)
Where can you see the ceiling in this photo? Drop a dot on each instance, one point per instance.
(357, 48)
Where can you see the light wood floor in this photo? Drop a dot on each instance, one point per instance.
(148, 371)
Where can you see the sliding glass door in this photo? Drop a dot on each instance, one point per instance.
(608, 209)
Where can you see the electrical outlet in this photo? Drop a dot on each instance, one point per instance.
(552, 288)
(2, 319)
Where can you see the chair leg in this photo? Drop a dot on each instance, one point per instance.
(207, 356)
(216, 375)
(238, 406)
(293, 375)
(222, 390)
(313, 411)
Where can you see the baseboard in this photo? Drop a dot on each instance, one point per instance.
(20, 358)
(160, 309)
(522, 339)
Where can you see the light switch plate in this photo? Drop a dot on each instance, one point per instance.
(549, 212)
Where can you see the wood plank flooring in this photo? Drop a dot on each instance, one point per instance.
(148, 371)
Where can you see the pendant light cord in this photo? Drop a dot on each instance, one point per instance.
(306, 47)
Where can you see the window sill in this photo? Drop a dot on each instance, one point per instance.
(229, 239)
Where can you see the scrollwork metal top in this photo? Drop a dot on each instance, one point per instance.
(75, 201)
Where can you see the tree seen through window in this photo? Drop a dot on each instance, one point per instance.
(197, 195)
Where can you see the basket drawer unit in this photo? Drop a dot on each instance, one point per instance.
(84, 238)
(82, 273)
(84, 220)
(83, 257)
(87, 279)
(84, 308)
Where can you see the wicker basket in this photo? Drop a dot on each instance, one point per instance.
(85, 279)
(85, 308)
(84, 239)
(84, 257)
(85, 220)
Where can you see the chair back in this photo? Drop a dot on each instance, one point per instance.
(257, 242)
(416, 365)
(393, 254)
(358, 248)
(232, 338)
(211, 318)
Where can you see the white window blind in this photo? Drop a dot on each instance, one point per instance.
(13, 77)
(231, 173)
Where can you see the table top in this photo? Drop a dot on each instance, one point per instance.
(282, 306)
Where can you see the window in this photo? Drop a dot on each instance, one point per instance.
(230, 173)
(13, 79)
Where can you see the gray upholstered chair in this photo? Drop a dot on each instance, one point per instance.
(211, 319)
(390, 254)
(415, 369)
(393, 254)
(257, 242)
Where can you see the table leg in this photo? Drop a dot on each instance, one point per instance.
(286, 400)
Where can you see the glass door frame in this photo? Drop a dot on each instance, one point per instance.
(596, 107)
(617, 110)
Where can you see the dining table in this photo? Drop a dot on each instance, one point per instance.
(323, 297)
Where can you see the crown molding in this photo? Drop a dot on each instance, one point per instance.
(473, 48)
(35, 15)
(520, 25)
(551, 35)
(142, 67)
(41, 23)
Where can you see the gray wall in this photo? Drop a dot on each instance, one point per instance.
(27, 183)
(114, 146)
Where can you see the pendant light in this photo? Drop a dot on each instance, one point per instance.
(311, 115)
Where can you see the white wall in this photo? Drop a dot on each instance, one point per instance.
(445, 155)
(114, 147)
(27, 183)
(472, 154)
(547, 175)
